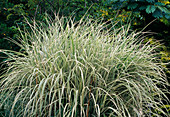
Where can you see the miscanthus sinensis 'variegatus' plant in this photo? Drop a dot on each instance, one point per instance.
(82, 69)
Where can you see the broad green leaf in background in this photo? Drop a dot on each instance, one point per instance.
(150, 8)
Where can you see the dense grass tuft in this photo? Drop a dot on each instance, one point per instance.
(83, 69)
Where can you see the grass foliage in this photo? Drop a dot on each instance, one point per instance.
(82, 69)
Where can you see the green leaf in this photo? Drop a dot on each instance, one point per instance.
(157, 14)
(150, 9)
(8, 16)
(150, 1)
(110, 1)
(167, 16)
(168, 6)
(164, 9)
(159, 4)
(132, 6)
(142, 7)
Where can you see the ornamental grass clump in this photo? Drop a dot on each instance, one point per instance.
(82, 69)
